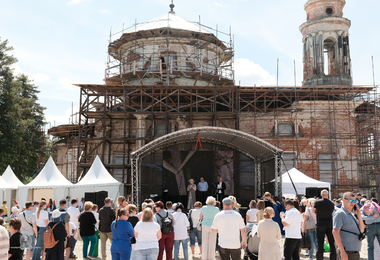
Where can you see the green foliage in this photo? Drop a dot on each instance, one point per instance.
(21, 118)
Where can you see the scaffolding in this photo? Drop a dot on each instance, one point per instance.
(159, 55)
(330, 132)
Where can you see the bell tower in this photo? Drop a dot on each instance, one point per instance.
(326, 51)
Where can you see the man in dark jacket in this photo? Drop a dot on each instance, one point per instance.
(106, 216)
(220, 188)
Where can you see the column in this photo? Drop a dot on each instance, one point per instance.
(140, 130)
(258, 179)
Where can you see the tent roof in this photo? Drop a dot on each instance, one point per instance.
(171, 20)
(301, 178)
(97, 175)
(4, 185)
(10, 177)
(49, 177)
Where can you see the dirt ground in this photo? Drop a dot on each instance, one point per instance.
(304, 256)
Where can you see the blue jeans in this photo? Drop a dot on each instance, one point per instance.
(195, 233)
(39, 245)
(184, 247)
(373, 231)
(121, 255)
(145, 254)
(86, 242)
(312, 233)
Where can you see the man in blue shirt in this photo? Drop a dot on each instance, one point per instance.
(202, 188)
(370, 215)
(347, 228)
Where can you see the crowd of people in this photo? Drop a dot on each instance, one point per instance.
(217, 227)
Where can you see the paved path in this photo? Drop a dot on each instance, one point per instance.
(304, 256)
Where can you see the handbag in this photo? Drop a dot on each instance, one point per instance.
(199, 225)
(77, 235)
(310, 224)
(305, 241)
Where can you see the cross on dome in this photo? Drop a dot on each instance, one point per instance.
(172, 7)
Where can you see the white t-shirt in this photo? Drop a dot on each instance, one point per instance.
(41, 221)
(180, 226)
(228, 223)
(72, 228)
(74, 215)
(146, 235)
(96, 215)
(294, 218)
(252, 215)
(195, 215)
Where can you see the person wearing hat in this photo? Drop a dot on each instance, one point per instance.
(59, 232)
(191, 199)
(229, 224)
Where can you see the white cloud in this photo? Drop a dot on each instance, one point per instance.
(74, 2)
(105, 11)
(65, 119)
(67, 83)
(250, 73)
(36, 77)
(217, 4)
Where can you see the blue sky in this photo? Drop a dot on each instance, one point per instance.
(59, 43)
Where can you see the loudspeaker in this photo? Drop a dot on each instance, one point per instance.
(312, 192)
(90, 196)
(100, 196)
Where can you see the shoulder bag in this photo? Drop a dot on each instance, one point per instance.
(199, 225)
(310, 224)
(361, 235)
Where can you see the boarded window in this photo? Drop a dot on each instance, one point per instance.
(326, 168)
(289, 162)
(285, 130)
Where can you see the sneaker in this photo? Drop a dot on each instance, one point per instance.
(91, 257)
(73, 256)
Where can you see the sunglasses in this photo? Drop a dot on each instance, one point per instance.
(351, 201)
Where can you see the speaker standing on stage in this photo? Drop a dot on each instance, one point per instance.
(220, 187)
(191, 188)
(203, 188)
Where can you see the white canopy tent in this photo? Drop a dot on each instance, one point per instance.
(10, 177)
(49, 178)
(98, 179)
(301, 181)
(5, 192)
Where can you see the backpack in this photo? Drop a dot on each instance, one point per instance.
(190, 221)
(49, 240)
(167, 224)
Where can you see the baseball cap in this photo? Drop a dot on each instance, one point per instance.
(227, 201)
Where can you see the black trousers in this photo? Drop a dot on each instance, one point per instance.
(325, 229)
(292, 249)
(203, 197)
(219, 197)
(226, 253)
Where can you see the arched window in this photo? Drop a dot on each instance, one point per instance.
(329, 56)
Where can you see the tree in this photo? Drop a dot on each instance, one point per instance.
(21, 118)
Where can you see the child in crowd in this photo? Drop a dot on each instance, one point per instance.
(70, 240)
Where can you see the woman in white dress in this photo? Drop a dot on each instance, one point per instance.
(269, 233)
(251, 215)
